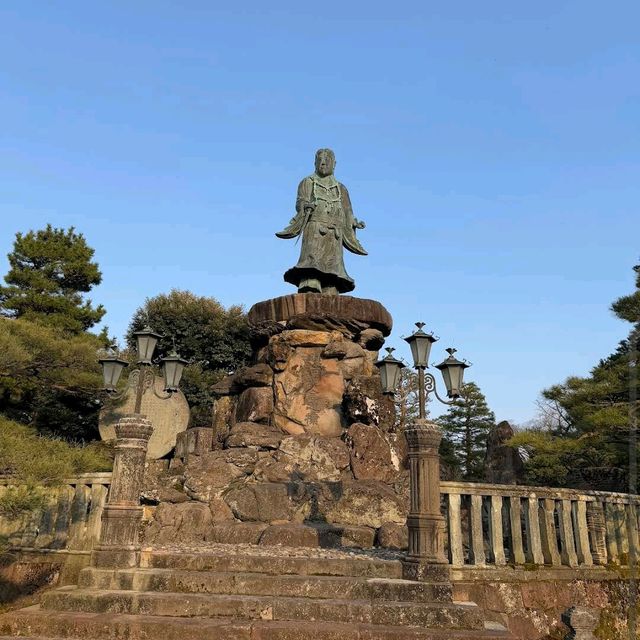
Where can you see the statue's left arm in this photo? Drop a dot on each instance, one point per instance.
(349, 239)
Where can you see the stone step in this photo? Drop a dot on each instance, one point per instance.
(46, 625)
(360, 566)
(342, 587)
(434, 615)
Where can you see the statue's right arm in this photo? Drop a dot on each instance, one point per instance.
(303, 203)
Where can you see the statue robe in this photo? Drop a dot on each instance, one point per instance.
(325, 219)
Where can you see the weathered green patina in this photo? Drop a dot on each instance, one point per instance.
(325, 219)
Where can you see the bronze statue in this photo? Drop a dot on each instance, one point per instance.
(325, 219)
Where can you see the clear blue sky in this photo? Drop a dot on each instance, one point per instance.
(491, 147)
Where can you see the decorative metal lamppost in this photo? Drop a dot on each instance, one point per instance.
(119, 533)
(425, 559)
(143, 378)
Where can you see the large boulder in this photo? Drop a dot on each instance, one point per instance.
(305, 458)
(361, 503)
(250, 434)
(185, 522)
(255, 404)
(364, 402)
(210, 475)
(268, 502)
(309, 389)
(371, 454)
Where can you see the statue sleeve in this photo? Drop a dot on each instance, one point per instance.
(296, 225)
(349, 239)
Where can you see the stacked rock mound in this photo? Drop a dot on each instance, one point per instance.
(302, 450)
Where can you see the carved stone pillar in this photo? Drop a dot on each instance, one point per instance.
(425, 559)
(122, 514)
(597, 532)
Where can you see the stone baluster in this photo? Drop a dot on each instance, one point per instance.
(496, 534)
(515, 521)
(582, 533)
(632, 532)
(611, 529)
(567, 545)
(534, 545)
(455, 530)
(122, 514)
(548, 536)
(622, 530)
(425, 559)
(597, 532)
(477, 538)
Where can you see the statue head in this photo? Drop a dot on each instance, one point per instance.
(325, 162)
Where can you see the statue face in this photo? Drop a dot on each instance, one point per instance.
(325, 163)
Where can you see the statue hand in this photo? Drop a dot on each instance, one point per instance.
(359, 224)
(309, 207)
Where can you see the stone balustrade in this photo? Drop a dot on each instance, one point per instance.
(486, 525)
(70, 519)
(493, 525)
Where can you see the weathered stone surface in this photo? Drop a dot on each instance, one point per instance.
(345, 536)
(361, 503)
(371, 339)
(250, 434)
(291, 535)
(258, 375)
(160, 485)
(185, 522)
(255, 404)
(502, 464)
(308, 394)
(237, 532)
(244, 459)
(199, 440)
(260, 333)
(220, 511)
(364, 402)
(372, 457)
(268, 502)
(304, 458)
(208, 475)
(392, 536)
(224, 411)
(352, 358)
(323, 322)
(368, 312)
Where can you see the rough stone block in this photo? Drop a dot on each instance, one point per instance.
(290, 535)
(237, 533)
(392, 536)
(255, 405)
(372, 457)
(251, 434)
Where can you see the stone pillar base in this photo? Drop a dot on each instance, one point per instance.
(115, 557)
(419, 570)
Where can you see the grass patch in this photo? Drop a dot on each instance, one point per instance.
(35, 462)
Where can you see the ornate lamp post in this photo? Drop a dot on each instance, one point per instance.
(119, 533)
(425, 559)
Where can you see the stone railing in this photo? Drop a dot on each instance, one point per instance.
(486, 524)
(70, 519)
(493, 525)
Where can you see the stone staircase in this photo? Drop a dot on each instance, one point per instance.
(233, 593)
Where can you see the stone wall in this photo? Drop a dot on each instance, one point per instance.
(531, 603)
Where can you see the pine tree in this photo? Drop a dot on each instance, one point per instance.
(50, 270)
(467, 424)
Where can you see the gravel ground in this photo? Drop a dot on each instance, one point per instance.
(216, 548)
